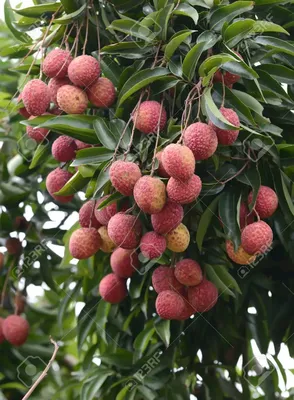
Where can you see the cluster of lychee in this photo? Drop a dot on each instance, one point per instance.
(256, 237)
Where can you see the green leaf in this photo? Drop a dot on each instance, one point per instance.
(69, 18)
(175, 42)
(285, 201)
(227, 13)
(204, 222)
(252, 178)
(74, 185)
(250, 101)
(228, 214)
(113, 198)
(226, 277)
(187, 11)
(103, 310)
(46, 273)
(121, 358)
(92, 386)
(163, 330)
(279, 72)
(221, 286)
(111, 69)
(191, 60)
(162, 19)
(93, 155)
(40, 155)
(108, 138)
(142, 340)
(9, 19)
(275, 43)
(133, 28)
(38, 10)
(70, 296)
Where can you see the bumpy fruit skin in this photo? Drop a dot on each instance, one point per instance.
(184, 192)
(13, 246)
(82, 145)
(256, 238)
(37, 134)
(23, 111)
(168, 219)
(124, 262)
(55, 181)
(104, 215)
(161, 171)
(163, 278)
(107, 245)
(152, 245)
(16, 330)
(240, 256)
(266, 201)
(203, 296)
(245, 217)
(226, 136)
(188, 272)
(54, 85)
(201, 140)
(1, 260)
(188, 310)
(178, 239)
(56, 63)
(229, 78)
(84, 243)
(112, 288)
(102, 93)
(72, 100)
(150, 194)
(169, 305)
(36, 97)
(64, 149)
(124, 175)
(147, 117)
(87, 215)
(178, 161)
(84, 71)
(125, 230)
(2, 337)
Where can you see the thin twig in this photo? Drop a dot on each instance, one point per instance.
(98, 32)
(5, 284)
(224, 91)
(87, 32)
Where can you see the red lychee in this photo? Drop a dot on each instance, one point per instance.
(184, 192)
(84, 71)
(188, 310)
(84, 243)
(168, 219)
(21, 223)
(150, 194)
(226, 136)
(55, 182)
(203, 296)
(82, 145)
(56, 63)
(147, 116)
(161, 171)
(124, 262)
(163, 278)
(245, 218)
(15, 329)
(107, 245)
(125, 230)
(266, 201)
(257, 238)
(178, 161)
(64, 149)
(201, 140)
(102, 93)
(113, 289)
(104, 215)
(87, 217)
(13, 246)
(37, 134)
(2, 337)
(54, 85)
(178, 239)
(23, 111)
(36, 97)
(152, 245)
(240, 256)
(229, 78)
(1, 260)
(124, 175)
(72, 100)
(169, 305)
(188, 272)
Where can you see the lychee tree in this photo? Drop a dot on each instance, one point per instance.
(146, 191)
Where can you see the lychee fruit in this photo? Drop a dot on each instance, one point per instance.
(150, 194)
(188, 272)
(84, 243)
(229, 78)
(13, 246)
(163, 278)
(169, 305)
(124, 262)
(125, 230)
(245, 217)
(178, 161)
(2, 337)
(64, 149)
(55, 182)
(102, 93)
(147, 116)
(82, 145)
(201, 140)
(104, 215)
(124, 175)
(72, 99)
(161, 171)
(112, 288)
(87, 216)
(178, 239)
(227, 136)
(1, 260)
(168, 218)
(21, 223)
(37, 134)
(240, 256)
(23, 111)
(188, 310)
(152, 245)
(184, 192)
(266, 201)
(257, 238)
(203, 296)
(54, 85)
(56, 63)
(107, 245)
(15, 329)
(36, 97)
(84, 71)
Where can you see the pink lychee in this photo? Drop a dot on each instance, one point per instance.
(266, 201)
(36, 97)
(227, 136)
(188, 272)
(56, 63)
(37, 134)
(168, 218)
(54, 85)
(2, 337)
(257, 238)
(125, 230)
(169, 305)
(23, 111)
(87, 217)
(84, 243)
(245, 217)
(55, 182)
(150, 194)
(188, 310)
(152, 245)
(102, 93)
(104, 215)
(163, 278)
(161, 171)
(124, 262)
(84, 71)
(72, 100)
(113, 289)
(64, 149)
(201, 140)
(178, 161)
(184, 192)
(124, 175)
(82, 145)
(15, 329)
(147, 116)
(203, 296)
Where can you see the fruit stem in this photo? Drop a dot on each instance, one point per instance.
(97, 30)
(224, 91)
(87, 32)
(5, 284)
